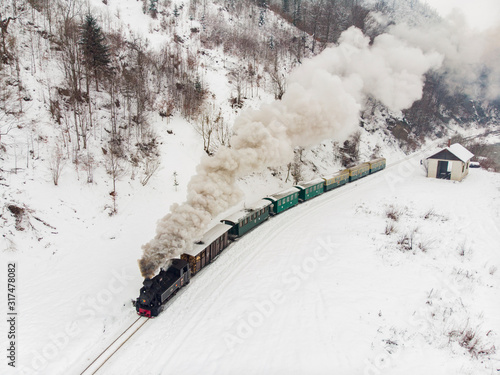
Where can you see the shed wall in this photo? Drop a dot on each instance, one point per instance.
(456, 169)
(432, 168)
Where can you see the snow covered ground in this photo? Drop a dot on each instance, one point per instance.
(322, 289)
(319, 289)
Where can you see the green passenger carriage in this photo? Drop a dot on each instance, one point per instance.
(310, 189)
(337, 179)
(284, 200)
(245, 220)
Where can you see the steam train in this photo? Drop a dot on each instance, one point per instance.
(158, 290)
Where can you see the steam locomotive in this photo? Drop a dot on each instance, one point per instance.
(158, 290)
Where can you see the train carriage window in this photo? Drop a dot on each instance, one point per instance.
(241, 224)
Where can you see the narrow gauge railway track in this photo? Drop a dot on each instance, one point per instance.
(112, 348)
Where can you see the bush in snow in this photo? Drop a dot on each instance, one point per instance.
(393, 213)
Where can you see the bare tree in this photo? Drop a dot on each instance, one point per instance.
(150, 167)
(209, 121)
(6, 125)
(89, 163)
(115, 170)
(237, 80)
(4, 24)
(278, 79)
(295, 168)
(71, 61)
(223, 132)
(57, 164)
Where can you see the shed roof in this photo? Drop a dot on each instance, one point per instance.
(235, 217)
(460, 152)
(208, 238)
(457, 150)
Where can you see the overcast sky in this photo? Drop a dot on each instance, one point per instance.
(481, 14)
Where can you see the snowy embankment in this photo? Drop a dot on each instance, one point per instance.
(325, 288)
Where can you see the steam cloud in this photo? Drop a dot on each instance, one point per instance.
(323, 100)
(470, 57)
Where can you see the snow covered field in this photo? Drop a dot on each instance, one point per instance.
(320, 289)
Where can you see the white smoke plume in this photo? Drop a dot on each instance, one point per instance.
(323, 101)
(470, 56)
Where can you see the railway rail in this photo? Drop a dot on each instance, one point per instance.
(112, 348)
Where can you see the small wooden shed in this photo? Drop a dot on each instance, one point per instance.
(451, 163)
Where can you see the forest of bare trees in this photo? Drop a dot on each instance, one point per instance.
(109, 82)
